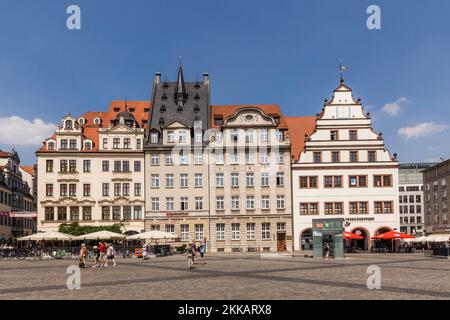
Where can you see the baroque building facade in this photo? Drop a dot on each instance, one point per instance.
(91, 171)
(344, 171)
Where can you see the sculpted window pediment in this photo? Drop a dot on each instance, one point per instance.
(250, 117)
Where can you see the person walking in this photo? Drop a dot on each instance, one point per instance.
(202, 250)
(326, 250)
(102, 250)
(110, 255)
(83, 253)
(97, 257)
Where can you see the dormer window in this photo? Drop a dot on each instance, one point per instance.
(51, 145)
(218, 120)
(170, 136)
(73, 144)
(88, 145)
(68, 125)
(63, 144)
(154, 137)
(182, 136)
(97, 121)
(280, 135)
(276, 119)
(82, 121)
(116, 109)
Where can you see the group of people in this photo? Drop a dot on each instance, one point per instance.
(103, 254)
(5, 245)
(194, 251)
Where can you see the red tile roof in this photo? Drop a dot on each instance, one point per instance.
(28, 169)
(298, 128)
(228, 110)
(90, 130)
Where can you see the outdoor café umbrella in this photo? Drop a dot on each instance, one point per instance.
(438, 238)
(352, 236)
(47, 236)
(390, 235)
(101, 235)
(154, 235)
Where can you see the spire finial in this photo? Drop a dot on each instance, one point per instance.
(179, 60)
(342, 69)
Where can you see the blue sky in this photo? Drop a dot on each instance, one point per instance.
(256, 51)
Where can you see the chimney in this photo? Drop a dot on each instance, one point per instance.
(205, 77)
(157, 77)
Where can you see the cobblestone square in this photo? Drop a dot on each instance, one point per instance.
(232, 276)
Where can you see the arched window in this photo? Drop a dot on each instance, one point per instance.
(69, 125)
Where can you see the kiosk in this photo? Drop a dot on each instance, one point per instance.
(328, 231)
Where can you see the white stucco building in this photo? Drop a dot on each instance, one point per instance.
(344, 171)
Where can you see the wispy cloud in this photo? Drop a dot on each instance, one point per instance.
(18, 131)
(392, 108)
(421, 130)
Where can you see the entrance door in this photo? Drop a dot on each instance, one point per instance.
(281, 242)
(328, 239)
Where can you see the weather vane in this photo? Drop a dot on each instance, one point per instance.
(342, 69)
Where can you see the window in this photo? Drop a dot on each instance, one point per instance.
(358, 207)
(220, 203)
(88, 145)
(332, 181)
(309, 208)
(126, 143)
(250, 179)
(170, 204)
(105, 189)
(317, 157)
(383, 181)
(280, 201)
(126, 166)
(264, 157)
(184, 232)
(198, 158)
(49, 213)
(235, 231)
(418, 198)
(280, 135)
(48, 190)
(49, 166)
(235, 180)
(155, 181)
(137, 166)
(218, 136)
(63, 144)
(126, 212)
(72, 190)
(250, 156)
(138, 144)
(62, 213)
(198, 180)
(72, 144)
(335, 156)
(155, 204)
(63, 165)
(169, 180)
(371, 156)
(264, 135)
(234, 155)
(198, 203)
(182, 136)
(357, 181)
(170, 136)
(51, 145)
(251, 231)
(72, 166)
(117, 166)
(169, 159)
(264, 179)
(184, 181)
(116, 213)
(184, 203)
(250, 202)
(219, 179)
(63, 190)
(87, 213)
(86, 165)
(117, 189)
(154, 137)
(116, 143)
(265, 202)
(220, 231)
(105, 143)
(266, 231)
(249, 137)
(105, 165)
(334, 135)
(75, 213)
(154, 160)
(219, 157)
(308, 182)
(235, 203)
(184, 158)
(137, 189)
(198, 232)
(170, 228)
(353, 135)
(280, 179)
(353, 156)
(387, 207)
(137, 212)
(126, 189)
(218, 121)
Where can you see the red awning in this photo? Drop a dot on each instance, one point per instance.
(393, 235)
(352, 236)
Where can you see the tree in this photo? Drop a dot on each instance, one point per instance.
(76, 230)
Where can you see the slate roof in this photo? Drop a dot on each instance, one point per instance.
(165, 108)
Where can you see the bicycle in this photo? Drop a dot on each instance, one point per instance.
(428, 253)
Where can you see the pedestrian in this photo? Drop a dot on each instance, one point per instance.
(191, 254)
(326, 250)
(110, 255)
(83, 252)
(202, 250)
(194, 251)
(97, 257)
(144, 251)
(102, 249)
